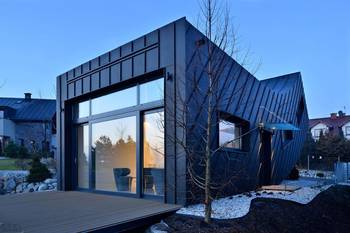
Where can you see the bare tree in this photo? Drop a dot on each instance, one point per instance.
(212, 77)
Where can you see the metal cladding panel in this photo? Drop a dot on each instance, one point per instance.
(86, 84)
(115, 74)
(133, 59)
(115, 54)
(104, 59)
(95, 81)
(139, 64)
(105, 77)
(152, 60)
(78, 87)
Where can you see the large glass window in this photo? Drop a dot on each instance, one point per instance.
(117, 100)
(83, 156)
(153, 153)
(114, 150)
(152, 91)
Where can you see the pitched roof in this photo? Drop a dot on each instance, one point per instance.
(29, 110)
(330, 122)
(282, 83)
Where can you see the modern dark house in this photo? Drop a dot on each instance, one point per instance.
(115, 121)
(28, 122)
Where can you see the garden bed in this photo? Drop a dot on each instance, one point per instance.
(327, 212)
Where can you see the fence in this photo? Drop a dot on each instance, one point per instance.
(342, 171)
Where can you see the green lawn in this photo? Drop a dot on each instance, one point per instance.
(9, 164)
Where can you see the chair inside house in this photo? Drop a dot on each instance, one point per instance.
(122, 178)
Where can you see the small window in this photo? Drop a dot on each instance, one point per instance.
(152, 91)
(317, 133)
(347, 130)
(231, 132)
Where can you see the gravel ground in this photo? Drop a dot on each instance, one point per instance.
(327, 212)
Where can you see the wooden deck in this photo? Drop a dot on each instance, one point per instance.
(77, 212)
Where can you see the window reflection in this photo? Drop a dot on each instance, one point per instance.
(153, 153)
(230, 135)
(152, 91)
(84, 109)
(117, 100)
(83, 156)
(114, 146)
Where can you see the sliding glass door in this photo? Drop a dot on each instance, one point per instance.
(114, 155)
(83, 156)
(120, 141)
(153, 153)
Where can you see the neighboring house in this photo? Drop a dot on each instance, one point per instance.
(28, 122)
(335, 125)
(108, 109)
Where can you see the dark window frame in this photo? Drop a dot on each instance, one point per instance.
(245, 127)
(137, 111)
(347, 130)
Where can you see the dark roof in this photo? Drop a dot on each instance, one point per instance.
(29, 110)
(335, 122)
(282, 83)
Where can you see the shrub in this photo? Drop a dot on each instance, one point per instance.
(320, 174)
(15, 151)
(38, 171)
(22, 164)
(294, 174)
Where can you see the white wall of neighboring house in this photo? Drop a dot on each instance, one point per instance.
(316, 130)
(7, 128)
(346, 130)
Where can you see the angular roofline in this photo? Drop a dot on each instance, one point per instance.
(289, 75)
(125, 43)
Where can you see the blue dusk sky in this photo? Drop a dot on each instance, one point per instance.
(42, 39)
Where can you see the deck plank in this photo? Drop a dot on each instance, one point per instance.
(75, 211)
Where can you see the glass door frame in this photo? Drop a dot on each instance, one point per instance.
(141, 168)
(137, 111)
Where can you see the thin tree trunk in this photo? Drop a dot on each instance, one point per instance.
(208, 200)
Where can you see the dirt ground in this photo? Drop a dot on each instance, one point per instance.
(328, 212)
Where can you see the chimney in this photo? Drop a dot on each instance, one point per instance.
(333, 115)
(27, 96)
(341, 113)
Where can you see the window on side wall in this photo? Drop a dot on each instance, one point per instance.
(347, 130)
(233, 132)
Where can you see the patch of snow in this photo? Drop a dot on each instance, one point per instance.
(313, 173)
(344, 183)
(238, 205)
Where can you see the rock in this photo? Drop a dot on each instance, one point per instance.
(42, 187)
(30, 186)
(31, 190)
(161, 227)
(270, 193)
(248, 194)
(19, 188)
(50, 181)
(36, 187)
(10, 184)
(257, 194)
